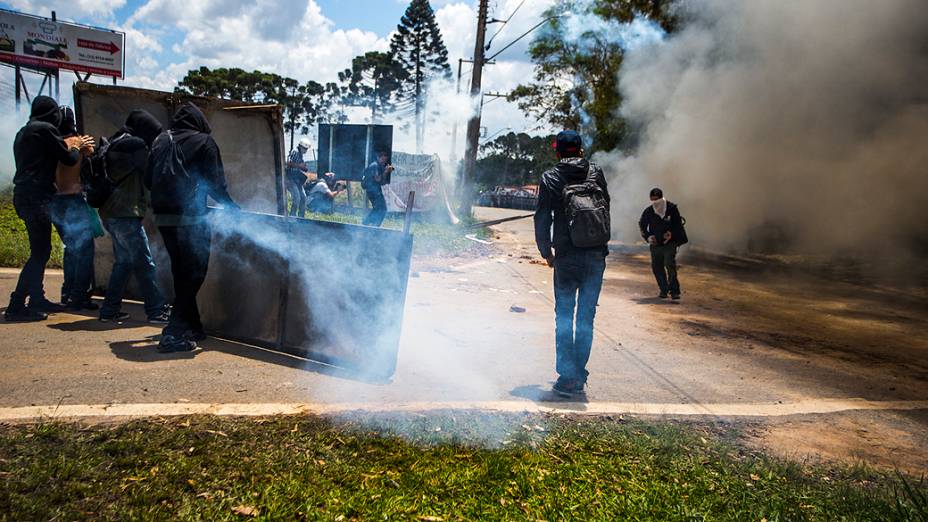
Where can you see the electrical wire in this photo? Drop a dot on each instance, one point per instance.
(506, 21)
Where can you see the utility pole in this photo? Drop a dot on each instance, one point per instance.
(473, 126)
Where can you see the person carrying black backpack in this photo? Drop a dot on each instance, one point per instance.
(573, 197)
(183, 168)
(124, 163)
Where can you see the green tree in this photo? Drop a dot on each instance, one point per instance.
(302, 105)
(374, 80)
(575, 82)
(418, 47)
(514, 159)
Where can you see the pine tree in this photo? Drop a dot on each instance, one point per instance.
(373, 81)
(418, 47)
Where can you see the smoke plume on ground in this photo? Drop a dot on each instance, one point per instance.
(786, 126)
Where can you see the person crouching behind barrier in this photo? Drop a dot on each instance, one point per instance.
(322, 194)
(296, 178)
(37, 150)
(578, 257)
(376, 175)
(183, 168)
(660, 223)
(122, 213)
(76, 222)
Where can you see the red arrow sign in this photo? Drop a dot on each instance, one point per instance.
(98, 46)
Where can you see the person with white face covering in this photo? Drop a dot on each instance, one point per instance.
(662, 227)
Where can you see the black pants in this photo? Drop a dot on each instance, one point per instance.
(188, 248)
(39, 229)
(578, 280)
(664, 266)
(378, 211)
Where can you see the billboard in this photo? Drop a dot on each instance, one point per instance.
(33, 41)
(346, 149)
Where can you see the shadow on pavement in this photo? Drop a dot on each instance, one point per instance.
(283, 359)
(95, 325)
(548, 398)
(146, 350)
(655, 301)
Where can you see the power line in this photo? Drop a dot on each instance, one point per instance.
(504, 22)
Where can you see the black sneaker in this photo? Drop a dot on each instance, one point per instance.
(44, 305)
(675, 297)
(24, 315)
(564, 388)
(85, 305)
(118, 317)
(170, 343)
(161, 318)
(195, 335)
(662, 295)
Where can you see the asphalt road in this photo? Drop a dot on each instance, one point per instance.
(461, 342)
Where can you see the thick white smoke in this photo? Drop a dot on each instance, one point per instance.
(803, 120)
(9, 126)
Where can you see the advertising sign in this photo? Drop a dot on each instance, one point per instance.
(33, 41)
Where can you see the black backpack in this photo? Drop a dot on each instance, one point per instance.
(680, 233)
(587, 213)
(171, 185)
(98, 184)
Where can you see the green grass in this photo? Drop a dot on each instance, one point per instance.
(14, 243)
(461, 466)
(430, 238)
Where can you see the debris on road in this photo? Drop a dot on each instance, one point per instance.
(473, 237)
(517, 309)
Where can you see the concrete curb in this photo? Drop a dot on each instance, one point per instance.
(78, 411)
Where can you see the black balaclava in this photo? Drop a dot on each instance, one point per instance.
(45, 109)
(142, 124)
(67, 126)
(190, 118)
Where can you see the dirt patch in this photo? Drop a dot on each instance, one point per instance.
(886, 440)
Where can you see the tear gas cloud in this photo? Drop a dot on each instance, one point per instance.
(804, 122)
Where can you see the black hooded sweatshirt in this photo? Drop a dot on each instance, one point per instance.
(126, 161)
(551, 206)
(37, 149)
(191, 133)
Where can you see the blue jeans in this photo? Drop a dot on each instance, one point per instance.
(378, 211)
(132, 255)
(71, 217)
(295, 186)
(578, 279)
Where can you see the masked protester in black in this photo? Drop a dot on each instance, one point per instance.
(122, 213)
(182, 219)
(661, 226)
(76, 224)
(578, 271)
(37, 149)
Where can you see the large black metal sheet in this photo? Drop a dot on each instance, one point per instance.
(346, 294)
(248, 138)
(329, 291)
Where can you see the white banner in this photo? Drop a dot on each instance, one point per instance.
(33, 41)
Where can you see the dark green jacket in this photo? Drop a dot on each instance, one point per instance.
(126, 161)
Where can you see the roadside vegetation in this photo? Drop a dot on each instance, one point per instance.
(452, 466)
(14, 243)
